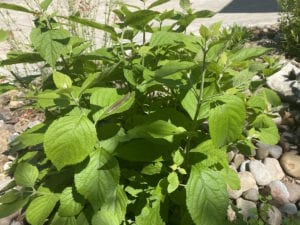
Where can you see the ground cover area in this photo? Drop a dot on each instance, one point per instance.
(182, 130)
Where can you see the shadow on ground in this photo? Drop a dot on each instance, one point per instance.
(251, 6)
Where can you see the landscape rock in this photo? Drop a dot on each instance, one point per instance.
(284, 85)
(290, 162)
(274, 150)
(230, 156)
(289, 209)
(238, 159)
(231, 215)
(245, 166)
(248, 208)
(252, 194)
(279, 192)
(4, 180)
(274, 168)
(260, 172)
(294, 191)
(274, 216)
(247, 182)
(262, 151)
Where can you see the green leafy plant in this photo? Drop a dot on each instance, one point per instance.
(289, 25)
(136, 133)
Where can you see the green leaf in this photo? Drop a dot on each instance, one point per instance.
(141, 150)
(10, 196)
(152, 168)
(185, 4)
(40, 208)
(12, 207)
(93, 24)
(45, 4)
(206, 197)
(105, 217)
(111, 102)
(15, 8)
(3, 35)
(69, 140)
(21, 57)
(26, 175)
(271, 97)
(69, 206)
(150, 215)
(57, 220)
(214, 155)
(173, 182)
(140, 18)
(157, 3)
(173, 67)
(226, 121)
(231, 178)
(156, 129)
(248, 53)
(117, 205)
(50, 44)
(61, 80)
(265, 129)
(98, 181)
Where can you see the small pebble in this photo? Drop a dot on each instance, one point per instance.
(260, 172)
(279, 192)
(289, 209)
(290, 162)
(252, 194)
(274, 168)
(248, 208)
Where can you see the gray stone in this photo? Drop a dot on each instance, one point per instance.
(231, 215)
(245, 166)
(290, 162)
(252, 194)
(294, 191)
(238, 159)
(262, 151)
(274, 216)
(274, 168)
(289, 209)
(247, 182)
(279, 192)
(260, 172)
(274, 150)
(289, 90)
(248, 208)
(230, 156)
(4, 180)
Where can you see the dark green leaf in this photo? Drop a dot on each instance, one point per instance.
(248, 53)
(21, 57)
(15, 8)
(140, 17)
(10, 208)
(157, 3)
(173, 67)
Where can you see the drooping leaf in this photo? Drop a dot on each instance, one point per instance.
(62, 81)
(69, 206)
(248, 53)
(10, 196)
(26, 175)
(69, 140)
(21, 57)
(15, 8)
(226, 121)
(50, 44)
(156, 129)
(93, 24)
(12, 207)
(157, 3)
(173, 67)
(41, 207)
(206, 197)
(45, 4)
(140, 18)
(98, 181)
